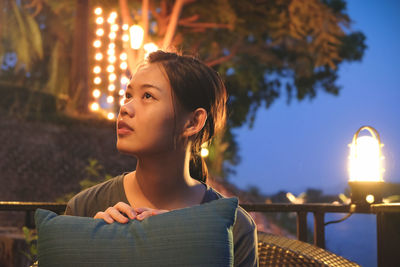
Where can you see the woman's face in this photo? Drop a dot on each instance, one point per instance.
(145, 124)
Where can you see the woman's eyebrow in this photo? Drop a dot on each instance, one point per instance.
(144, 86)
(147, 85)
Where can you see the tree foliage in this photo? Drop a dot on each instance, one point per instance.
(263, 49)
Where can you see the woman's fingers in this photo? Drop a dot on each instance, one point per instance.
(116, 215)
(149, 212)
(126, 209)
(106, 217)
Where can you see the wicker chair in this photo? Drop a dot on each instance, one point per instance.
(281, 251)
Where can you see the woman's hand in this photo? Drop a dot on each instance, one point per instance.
(143, 213)
(116, 212)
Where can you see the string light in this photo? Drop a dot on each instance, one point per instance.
(110, 99)
(123, 66)
(124, 80)
(112, 59)
(125, 27)
(97, 80)
(98, 56)
(98, 11)
(110, 116)
(110, 52)
(94, 106)
(110, 68)
(96, 70)
(97, 43)
(112, 35)
(96, 93)
(121, 92)
(111, 87)
(100, 32)
(112, 77)
(114, 27)
(125, 37)
(123, 56)
(111, 46)
(99, 20)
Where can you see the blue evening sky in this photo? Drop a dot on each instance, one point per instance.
(304, 144)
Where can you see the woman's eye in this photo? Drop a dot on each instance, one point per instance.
(128, 95)
(147, 96)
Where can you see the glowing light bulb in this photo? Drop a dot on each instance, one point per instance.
(123, 66)
(121, 92)
(98, 56)
(96, 69)
(100, 32)
(94, 106)
(125, 27)
(99, 20)
(365, 162)
(124, 80)
(110, 99)
(114, 27)
(97, 43)
(112, 59)
(122, 101)
(150, 48)
(110, 116)
(113, 15)
(112, 35)
(136, 34)
(111, 46)
(111, 88)
(97, 80)
(125, 37)
(110, 68)
(123, 56)
(112, 77)
(111, 20)
(96, 93)
(110, 52)
(370, 199)
(204, 152)
(98, 11)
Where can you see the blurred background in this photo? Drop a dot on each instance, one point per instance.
(302, 77)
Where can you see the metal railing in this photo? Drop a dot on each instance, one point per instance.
(388, 220)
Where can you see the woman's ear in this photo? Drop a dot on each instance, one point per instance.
(195, 122)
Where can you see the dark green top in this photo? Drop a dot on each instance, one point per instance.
(99, 197)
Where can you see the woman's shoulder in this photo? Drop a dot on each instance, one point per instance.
(94, 198)
(244, 222)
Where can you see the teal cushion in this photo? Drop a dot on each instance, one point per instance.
(196, 236)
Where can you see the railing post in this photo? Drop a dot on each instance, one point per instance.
(319, 229)
(302, 226)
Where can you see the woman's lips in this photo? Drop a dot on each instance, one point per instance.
(124, 128)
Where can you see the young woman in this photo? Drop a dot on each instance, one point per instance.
(173, 104)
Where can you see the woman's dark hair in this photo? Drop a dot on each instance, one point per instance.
(195, 85)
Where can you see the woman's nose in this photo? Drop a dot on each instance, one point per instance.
(127, 109)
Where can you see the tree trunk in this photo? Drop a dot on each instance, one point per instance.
(79, 85)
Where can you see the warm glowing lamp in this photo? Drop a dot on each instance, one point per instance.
(149, 48)
(365, 167)
(136, 32)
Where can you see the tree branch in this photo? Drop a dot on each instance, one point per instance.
(173, 22)
(206, 25)
(220, 60)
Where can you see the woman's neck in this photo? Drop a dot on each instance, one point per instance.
(163, 182)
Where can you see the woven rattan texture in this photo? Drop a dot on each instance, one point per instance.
(281, 251)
